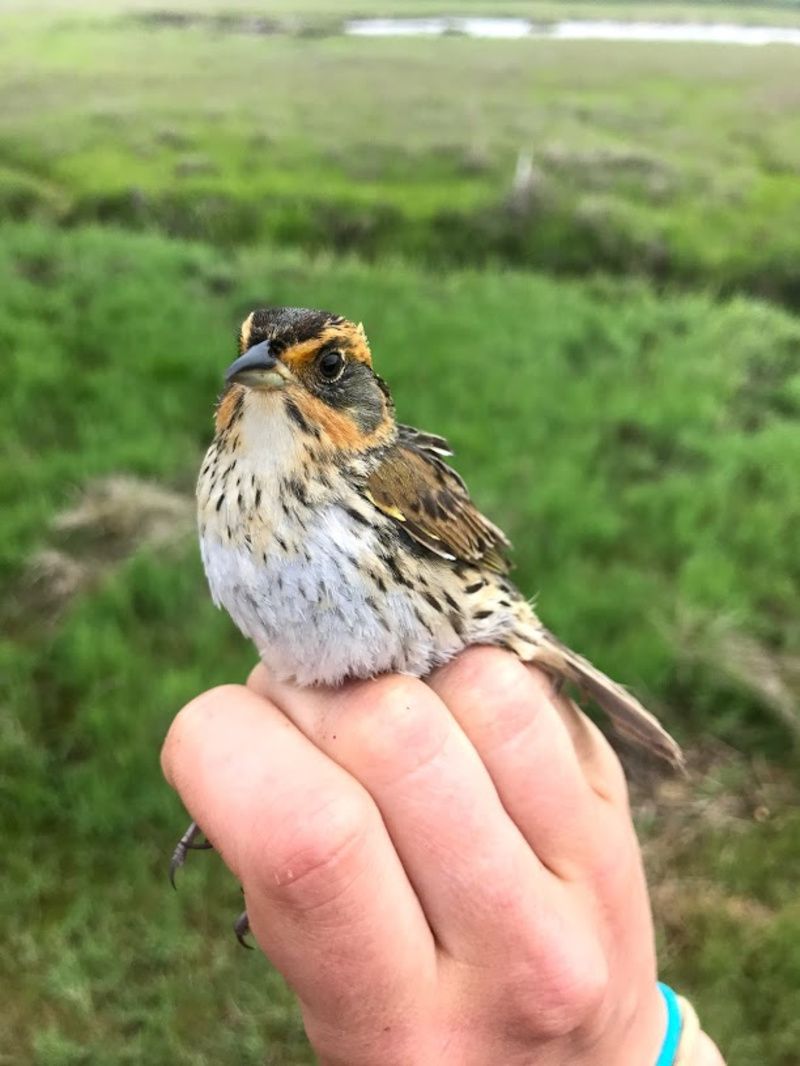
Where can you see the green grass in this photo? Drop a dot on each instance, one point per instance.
(669, 455)
(641, 452)
(674, 162)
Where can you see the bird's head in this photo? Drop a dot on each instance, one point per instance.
(316, 368)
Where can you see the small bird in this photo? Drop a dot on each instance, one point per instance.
(341, 542)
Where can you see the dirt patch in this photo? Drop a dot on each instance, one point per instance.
(111, 519)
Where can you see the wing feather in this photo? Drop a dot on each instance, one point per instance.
(416, 488)
(427, 442)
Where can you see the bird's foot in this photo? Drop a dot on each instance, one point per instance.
(187, 843)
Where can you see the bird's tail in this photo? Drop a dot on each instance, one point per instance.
(629, 718)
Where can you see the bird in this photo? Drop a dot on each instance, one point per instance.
(344, 545)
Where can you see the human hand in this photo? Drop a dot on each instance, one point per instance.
(444, 872)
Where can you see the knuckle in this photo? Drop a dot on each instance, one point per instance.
(558, 978)
(589, 987)
(563, 998)
(395, 725)
(577, 998)
(314, 855)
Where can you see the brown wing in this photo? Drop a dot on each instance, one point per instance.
(418, 440)
(431, 502)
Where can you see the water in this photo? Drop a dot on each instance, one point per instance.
(697, 32)
(436, 27)
(574, 30)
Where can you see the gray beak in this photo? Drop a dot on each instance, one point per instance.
(257, 367)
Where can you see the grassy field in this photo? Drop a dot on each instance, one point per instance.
(638, 438)
(643, 510)
(680, 163)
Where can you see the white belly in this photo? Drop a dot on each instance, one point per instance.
(317, 614)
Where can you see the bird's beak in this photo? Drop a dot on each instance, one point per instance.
(258, 368)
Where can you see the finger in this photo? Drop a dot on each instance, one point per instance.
(599, 762)
(470, 867)
(325, 891)
(505, 709)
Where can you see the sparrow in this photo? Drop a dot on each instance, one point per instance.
(342, 543)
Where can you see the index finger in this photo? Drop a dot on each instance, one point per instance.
(324, 888)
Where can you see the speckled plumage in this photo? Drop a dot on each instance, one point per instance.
(341, 543)
(333, 588)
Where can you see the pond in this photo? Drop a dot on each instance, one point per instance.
(575, 30)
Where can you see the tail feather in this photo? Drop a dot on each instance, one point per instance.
(629, 718)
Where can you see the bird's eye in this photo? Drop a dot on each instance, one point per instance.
(331, 364)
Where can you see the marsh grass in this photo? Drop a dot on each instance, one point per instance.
(676, 163)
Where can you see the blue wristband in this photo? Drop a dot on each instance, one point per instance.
(672, 1037)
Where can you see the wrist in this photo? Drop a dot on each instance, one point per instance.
(684, 1044)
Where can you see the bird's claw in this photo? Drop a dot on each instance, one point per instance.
(241, 928)
(187, 843)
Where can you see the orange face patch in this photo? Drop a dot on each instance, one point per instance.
(338, 426)
(227, 407)
(352, 338)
